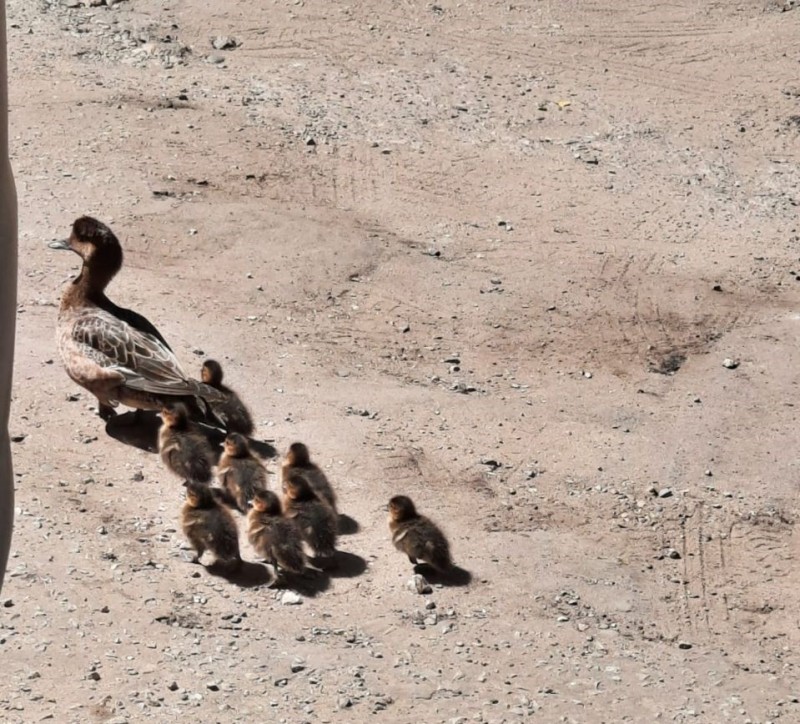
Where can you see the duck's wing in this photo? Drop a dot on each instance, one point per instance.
(136, 320)
(145, 362)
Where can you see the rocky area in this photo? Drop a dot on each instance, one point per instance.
(533, 264)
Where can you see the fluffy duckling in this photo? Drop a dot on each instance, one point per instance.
(240, 472)
(298, 460)
(315, 518)
(276, 539)
(209, 525)
(115, 353)
(417, 536)
(183, 448)
(231, 411)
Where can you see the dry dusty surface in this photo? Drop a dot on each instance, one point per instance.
(492, 255)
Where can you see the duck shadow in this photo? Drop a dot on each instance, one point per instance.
(310, 583)
(139, 429)
(345, 565)
(347, 525)
(455, 577)
(136, 429)
(247, 575)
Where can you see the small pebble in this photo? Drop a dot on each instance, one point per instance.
(419, 584)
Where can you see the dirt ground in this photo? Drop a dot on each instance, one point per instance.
(491, 255)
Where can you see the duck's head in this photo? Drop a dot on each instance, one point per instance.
(401, 508)
(95, 243)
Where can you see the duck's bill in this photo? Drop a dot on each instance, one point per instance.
(60, 244)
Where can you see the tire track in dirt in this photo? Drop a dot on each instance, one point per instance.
(718, 549)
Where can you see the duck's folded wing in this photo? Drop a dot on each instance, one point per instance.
(145, 362)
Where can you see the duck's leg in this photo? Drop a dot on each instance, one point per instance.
(105, 411)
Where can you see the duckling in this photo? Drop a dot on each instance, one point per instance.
(115, 353)
(277, 539)
(314, 517)
(298, 460)
(240, 472)
(417, 536)
(183, 448)
(209, 525)
(232, 412)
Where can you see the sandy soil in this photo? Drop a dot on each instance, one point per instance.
(491, 255)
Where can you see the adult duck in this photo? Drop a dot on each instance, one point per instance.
(115, 353)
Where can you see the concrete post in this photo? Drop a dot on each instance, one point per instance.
(8, 305)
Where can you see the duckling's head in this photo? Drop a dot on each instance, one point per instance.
(298, 455)
(96, 244)
(211, 374)
(175, 416)
(401, 507)
(236, 445)
(265, 501)
(199, 495)
(297, 488)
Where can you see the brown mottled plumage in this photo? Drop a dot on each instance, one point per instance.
(276, 539)
(115, 353)
(240, 472)
(231, 411)
(183, 448)
(298, 460)
(209, 525)
(315, 518)
(417, 536)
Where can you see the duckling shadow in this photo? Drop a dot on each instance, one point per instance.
(455, 577)
(263, 449)
(310, 583)
(346, 565)
(347, 525)
(247, 575)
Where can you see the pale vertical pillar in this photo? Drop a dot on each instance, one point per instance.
(8, 305)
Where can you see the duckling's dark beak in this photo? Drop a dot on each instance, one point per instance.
(60, 244)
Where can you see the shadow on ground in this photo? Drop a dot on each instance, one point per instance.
(247, 575)
(310, 583)
(348, 525)
(345, 565)
(140, 428)
(456, 576)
